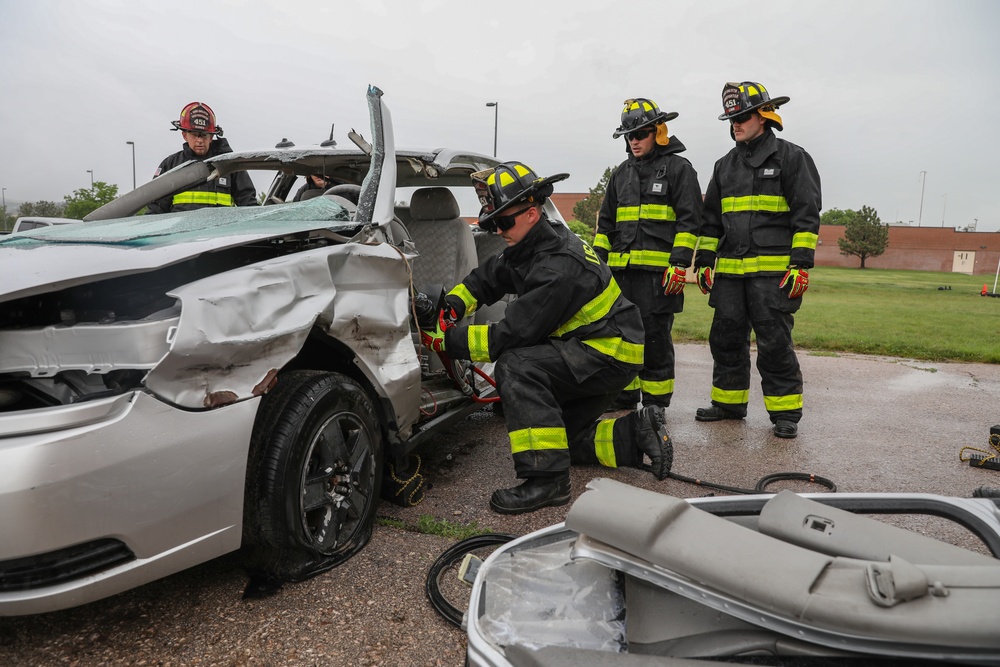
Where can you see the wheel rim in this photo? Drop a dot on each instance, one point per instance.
(338, 482)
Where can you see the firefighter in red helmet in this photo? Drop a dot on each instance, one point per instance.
(202, 140)
(760, 225)
(565, 348)
(646, 232)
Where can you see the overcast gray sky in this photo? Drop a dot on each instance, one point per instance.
(881, 90)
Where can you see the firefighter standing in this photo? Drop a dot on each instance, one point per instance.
(646, 232)
(760, 227)
(202, 140)
(564, 349)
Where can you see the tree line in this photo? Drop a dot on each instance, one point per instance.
(865, 236)
(77, 205)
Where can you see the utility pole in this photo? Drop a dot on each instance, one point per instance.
(91, 172)
(132, 144)
(923, 180)
(496, 115)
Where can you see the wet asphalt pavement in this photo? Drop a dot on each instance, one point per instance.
(870, 424)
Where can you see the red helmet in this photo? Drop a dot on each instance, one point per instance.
(197, 117)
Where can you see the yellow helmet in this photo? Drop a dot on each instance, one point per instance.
(507, 184)
(741, 98)
(639, 113)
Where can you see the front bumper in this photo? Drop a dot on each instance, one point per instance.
(155, 488)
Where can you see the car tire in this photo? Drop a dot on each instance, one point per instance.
(314, 475)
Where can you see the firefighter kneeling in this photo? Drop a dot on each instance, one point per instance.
(564, 350)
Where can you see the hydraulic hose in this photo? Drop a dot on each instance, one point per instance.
(762, 483)
(450, 612)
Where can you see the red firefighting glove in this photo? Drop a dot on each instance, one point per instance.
(705, 279)
(796, 280)
(434, 339)
(673, 280)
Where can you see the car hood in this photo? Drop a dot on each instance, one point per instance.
(49, 259)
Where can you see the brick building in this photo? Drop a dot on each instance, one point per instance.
(914, 248)
(919, 249)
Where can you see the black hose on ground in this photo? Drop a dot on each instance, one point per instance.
(762, 483)
(450, 612)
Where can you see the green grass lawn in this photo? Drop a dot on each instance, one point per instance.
(880, 311)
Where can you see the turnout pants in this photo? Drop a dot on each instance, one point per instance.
(655, 383)
(551, 412)
(742, 304)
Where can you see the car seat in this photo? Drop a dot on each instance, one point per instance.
(310, 194)
(489, 245)
(443, 239)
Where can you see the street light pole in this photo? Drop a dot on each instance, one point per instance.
(923, 180)
(91, 172)
(132, 144)
(496, 115)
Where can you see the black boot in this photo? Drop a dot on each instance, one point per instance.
(714, 413)
(532, 494)
(786, 429)
(649, 430)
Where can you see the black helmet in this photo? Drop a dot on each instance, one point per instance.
(739, 98)
(507, 184)
(639, 113)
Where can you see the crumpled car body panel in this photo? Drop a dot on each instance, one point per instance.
(237, 327)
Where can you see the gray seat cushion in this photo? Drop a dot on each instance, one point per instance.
(444, 241)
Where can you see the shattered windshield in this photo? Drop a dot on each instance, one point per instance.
(199, 225)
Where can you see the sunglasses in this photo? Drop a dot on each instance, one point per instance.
(639, 135)
(742, 118)
(505, 222)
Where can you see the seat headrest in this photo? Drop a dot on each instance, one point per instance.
(433, 204)
(310, 194)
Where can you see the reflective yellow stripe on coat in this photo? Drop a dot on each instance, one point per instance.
(594, 310)
(805, 240)
(657, 258)
(766, 203)
(479, 342)
(463, 293)
(203, 198)
(645, 212)
(742, 266)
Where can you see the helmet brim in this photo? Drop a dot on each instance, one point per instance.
(664, 117)
(531, 191)
(775, 102)
(177, 126)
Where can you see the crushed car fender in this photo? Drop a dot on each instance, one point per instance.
(226, 344)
